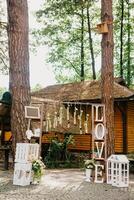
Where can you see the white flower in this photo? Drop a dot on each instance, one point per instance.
(89, 164)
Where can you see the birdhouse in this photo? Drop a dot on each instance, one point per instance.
(118, 171)
(102, 28)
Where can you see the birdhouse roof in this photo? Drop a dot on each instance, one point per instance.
(118, 158)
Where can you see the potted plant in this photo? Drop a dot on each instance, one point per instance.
(89, 165)
(37, 170)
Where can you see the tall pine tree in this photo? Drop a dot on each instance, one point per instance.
(19, 66)
(107, 72)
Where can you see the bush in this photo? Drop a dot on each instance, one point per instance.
(58, 154)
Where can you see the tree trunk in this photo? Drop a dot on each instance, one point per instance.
(128, 46)
(19, 66)
(107, 72)
(121, 38)
(82, 43)
(91, 43)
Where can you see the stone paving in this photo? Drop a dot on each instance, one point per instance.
(66, 184)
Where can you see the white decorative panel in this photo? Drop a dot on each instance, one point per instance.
(22, 174)
(26, 152)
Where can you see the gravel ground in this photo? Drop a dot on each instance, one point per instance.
(62, 185)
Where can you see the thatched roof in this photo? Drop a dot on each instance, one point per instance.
(120, 81)
(87, 90)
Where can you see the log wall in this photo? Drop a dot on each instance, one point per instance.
(118, 130)
(130, 127)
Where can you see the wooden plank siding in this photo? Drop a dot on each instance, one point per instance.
(118, 130)
(130, 127)
(47, 137)
(83, 142)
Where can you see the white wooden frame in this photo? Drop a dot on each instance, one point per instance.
(34, 109)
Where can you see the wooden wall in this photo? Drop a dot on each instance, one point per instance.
(83, 142)
(47, 137)
(118, 130)
(130, 127)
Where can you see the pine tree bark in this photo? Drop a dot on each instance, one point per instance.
(107, 72)
(19, 66)
(82, 76)
(128, 45)
(121, 38)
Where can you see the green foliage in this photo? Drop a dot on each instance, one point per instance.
(36, 87)
(61, 31)
(131, 161)
(3, 41)
(128, 44)
(37, 168)
(58, 152)
(2, 90)
(89, 164)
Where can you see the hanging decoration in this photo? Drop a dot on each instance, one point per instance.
(55, 124)
(44, 123)
(80, 120)
(61, 116)
(48, 123)
(75, 115)
(68, 119)
(86, 123)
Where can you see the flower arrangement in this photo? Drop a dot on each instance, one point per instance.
(89, 164)
(38, 169)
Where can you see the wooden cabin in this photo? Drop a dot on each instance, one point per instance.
(90, 92)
